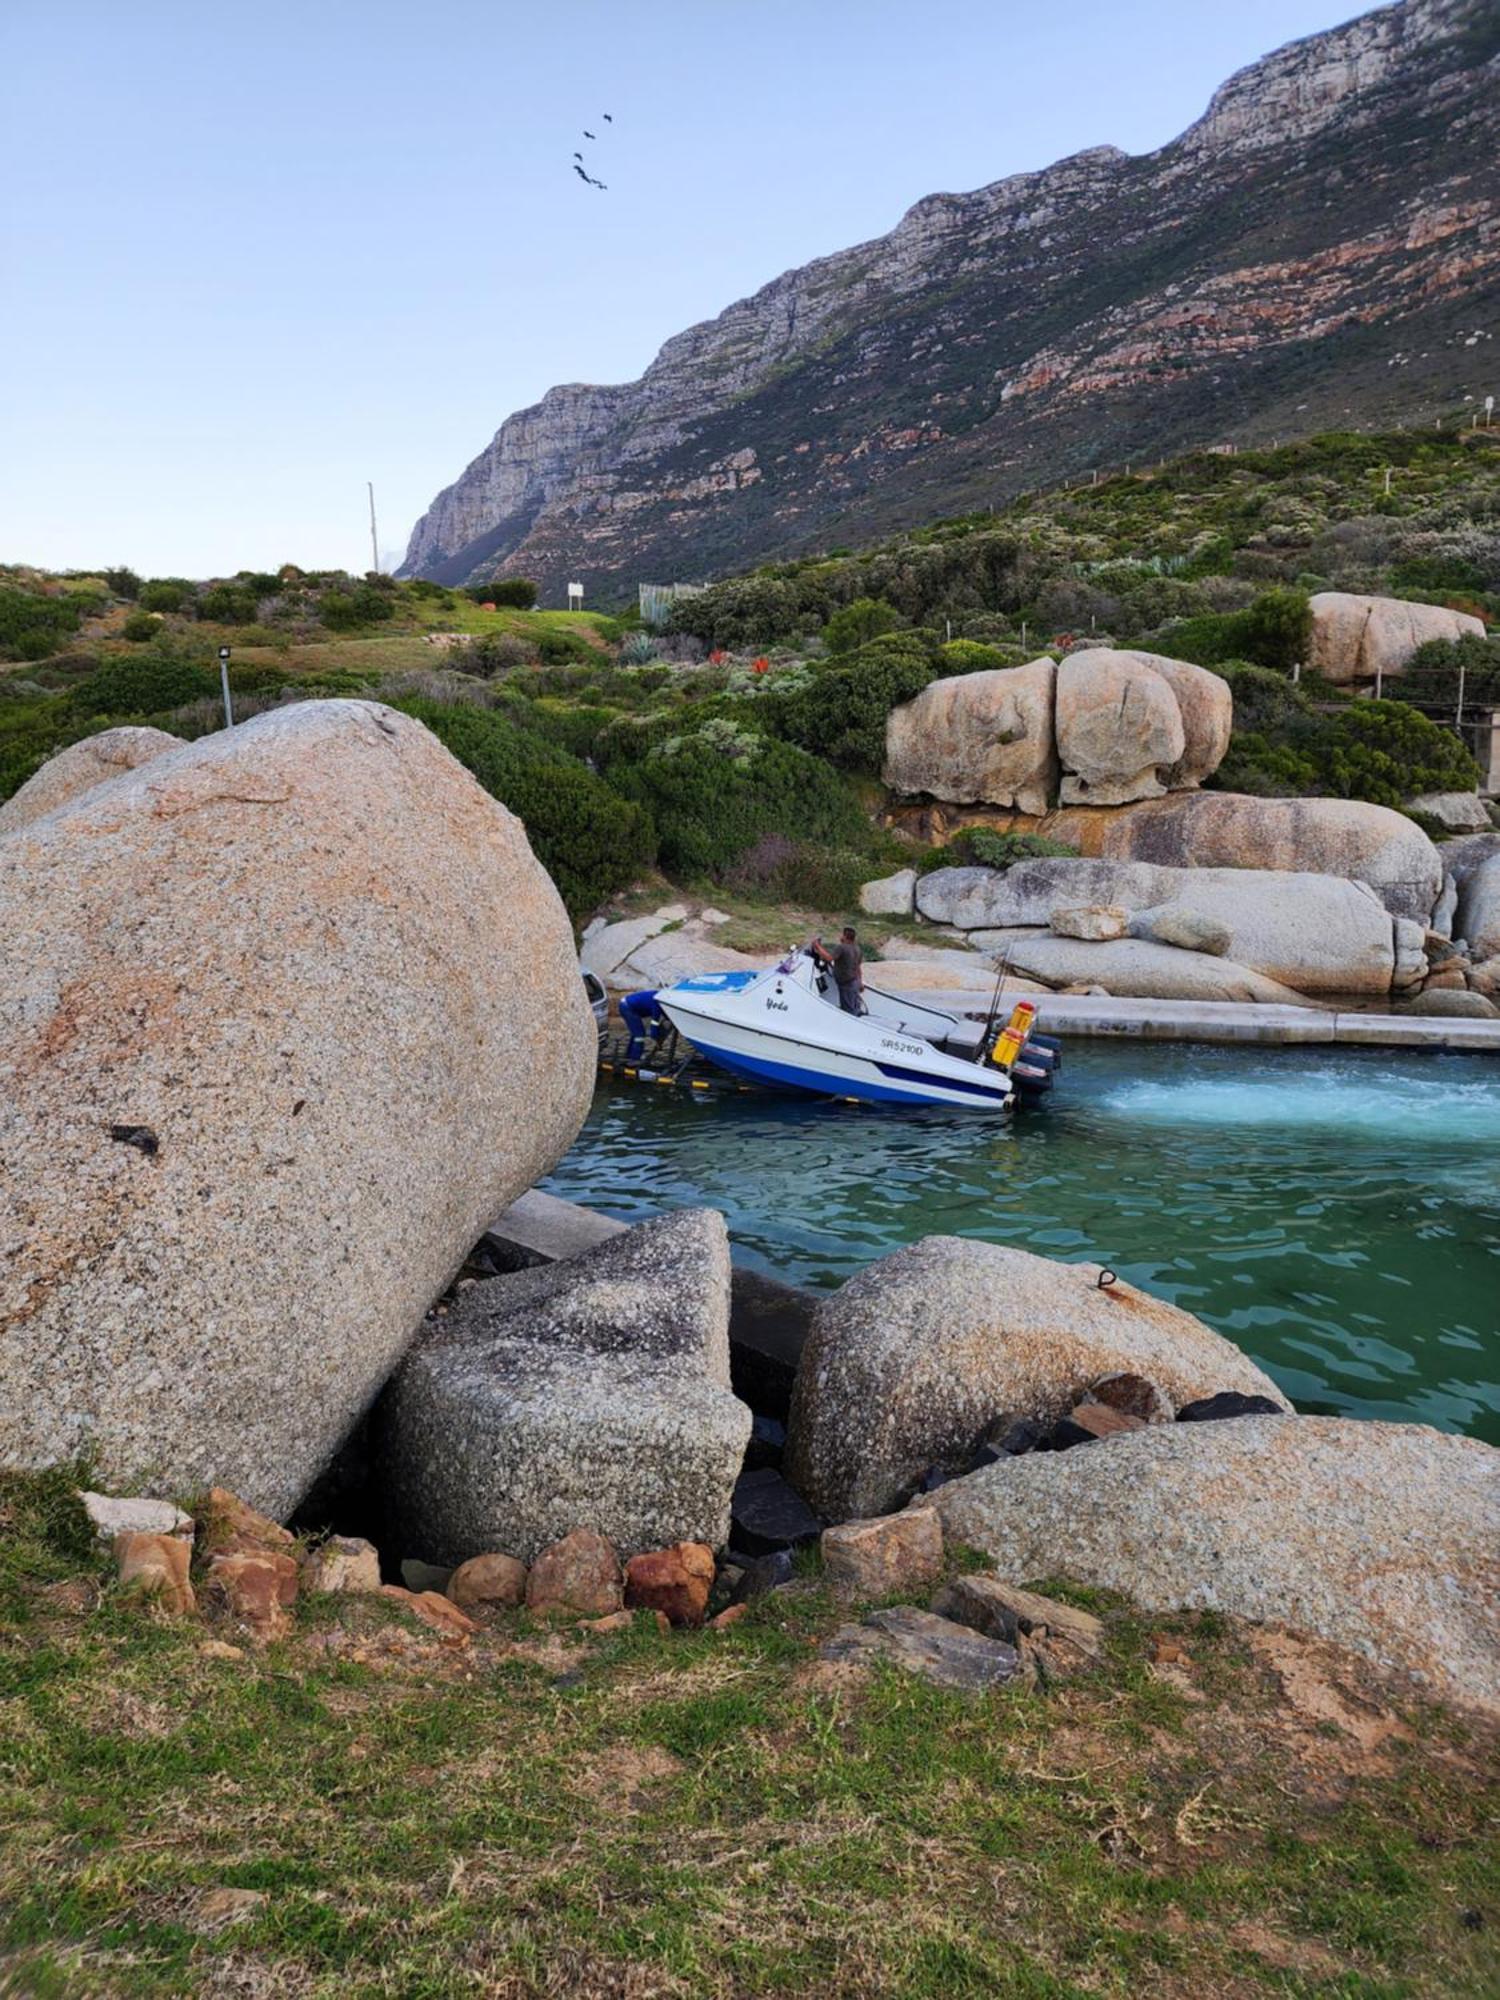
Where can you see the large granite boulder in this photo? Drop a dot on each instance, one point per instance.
(1478, 915)
(590, 1393)
(1382, 1537)
(1460, 812)
(1314, 933)
(286, 1016)
(978, 737)
(1140, 969)
(1356, 638)
(1133, 725)
(909, 1363)
(80, 768)
(1294, 836)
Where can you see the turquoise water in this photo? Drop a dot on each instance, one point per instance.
(1335, 1214)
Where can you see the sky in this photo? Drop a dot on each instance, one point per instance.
(254, 255)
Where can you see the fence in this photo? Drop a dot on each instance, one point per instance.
(657, 599)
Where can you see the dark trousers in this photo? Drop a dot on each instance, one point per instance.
(849, 998)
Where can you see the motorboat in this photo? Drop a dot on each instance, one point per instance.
(786, 1027)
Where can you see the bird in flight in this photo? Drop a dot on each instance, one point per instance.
(590, 135)
(578, 156)
(608, 119)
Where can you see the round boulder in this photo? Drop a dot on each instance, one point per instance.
(908, 1364)
(975, 738)
(80, 768)
(287, 1016)
(1356, 638)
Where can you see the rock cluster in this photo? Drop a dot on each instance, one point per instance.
(271, 1057)
(1365, 638)
(1104, 727)
(589, 1393)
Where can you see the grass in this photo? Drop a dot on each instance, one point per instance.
(707, 1814)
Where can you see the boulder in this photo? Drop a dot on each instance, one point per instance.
(1461, 812)
(344, 1565)
(948, 1654)
(259, 1589)
(1144, 971)
(678, 955)
(1133, 725)
(487, 1583)
(1384, 1538)
(891, 896)
(286, 1016)
(1312, 933)
(985, 737)
(1185, 928)
(909, 1364)
(1356, 638)
(80, 768)
(1449, 1003)
(1093, 923)
(1478, 916)
(893, 1554)
(676, 1582)
(155, 1566)
(1345, 837)
(593, 1392)
(606, 946)
(576, 1577)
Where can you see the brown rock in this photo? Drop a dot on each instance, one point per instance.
(612, 1621)
(433, 1610)
(730, 1615)
(895, 1552)
(674, 1581)
(156, 1567)
(257, 1586)
(1119, 727)
(1005, 1612)
(486, 1584)
(1137, 1395)
(343, 1564)
(226, 1526)
(1354, 638)
(1094, 923)
(220, 1649)
(1101, 1421)
(985, 736)
(578, 1577)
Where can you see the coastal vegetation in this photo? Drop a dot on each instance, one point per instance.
(742, 749)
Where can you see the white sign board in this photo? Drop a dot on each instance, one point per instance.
(575, 595)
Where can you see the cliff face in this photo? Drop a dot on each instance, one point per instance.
(1322, 247)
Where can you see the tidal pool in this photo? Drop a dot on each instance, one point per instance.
(1336, 1214)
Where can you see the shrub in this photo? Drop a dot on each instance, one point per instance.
(986, 847)
(146, 684)
(164, 593)
(32, 626)
(782, 870)
(590, 840)
(638, 650)
(515, 593)
(347, 610)
(494, 653)
(858, 623)
(841, 712)
(557, 646)
(971, 656)
(123, 582)
(1272, 631)
(227, 604)
(140, 625)
(1432, 672)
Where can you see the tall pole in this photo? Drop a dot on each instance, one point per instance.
(224, 684)
(374, 544)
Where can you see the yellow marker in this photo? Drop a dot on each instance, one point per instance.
(1012, 1037)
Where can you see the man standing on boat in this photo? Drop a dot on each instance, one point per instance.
(847, 963)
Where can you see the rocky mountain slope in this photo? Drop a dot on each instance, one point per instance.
(1322, 247)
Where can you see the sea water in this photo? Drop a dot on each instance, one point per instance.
(1335, 1213)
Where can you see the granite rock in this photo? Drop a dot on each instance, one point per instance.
(972, 738)
(82, 767)
(1355, 638)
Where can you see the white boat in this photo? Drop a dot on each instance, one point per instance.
(786, 1027)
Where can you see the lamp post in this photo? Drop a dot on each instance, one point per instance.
(224, 681)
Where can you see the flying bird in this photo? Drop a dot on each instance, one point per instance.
(608, 119)
(578, 156)
(590, 135)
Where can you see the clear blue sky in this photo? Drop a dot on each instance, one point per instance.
(254, 254)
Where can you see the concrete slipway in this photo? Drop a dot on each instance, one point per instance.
(1077, 1014)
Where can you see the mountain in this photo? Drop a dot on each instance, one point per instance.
(1321, 249)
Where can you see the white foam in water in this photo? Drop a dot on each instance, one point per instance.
(1373, 1103)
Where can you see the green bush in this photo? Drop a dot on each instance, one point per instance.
(1432, 673)
(348, 610)
(123, 582)
(780, 870)
(32, 626)
(556, 647)
(139, 626)
(971, 656)
(1271, 632)
(590, 840)
(987, 847)
(841, 712)
(164, 593)
(515, 593)
(228, 604)
(858, 623)
(146, 684)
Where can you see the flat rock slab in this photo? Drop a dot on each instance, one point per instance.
(948, 1655)
(769, 1514)
(1384, 1538)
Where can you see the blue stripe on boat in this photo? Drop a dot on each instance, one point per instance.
(760, 1070)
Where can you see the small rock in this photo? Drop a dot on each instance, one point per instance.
(434, 1610)
(1137, 1395)
(577, 1577)
(1228, 1403)
(674, 1581)
(418, 1575)
(1439, 1001)
(894, 1552)
(1093, 922)
(612, 1621)
(156, 1567)
(1100, 1421)
(949, 1655)
(218, 1908)
(344, 1564)
(227, 1526)
(768, 1513)
(1011, 1436)
(220, 1649)
(1064, 1434)
(113, 1517)
(730, 1615)
(257, 1587)
(763, 1573)
(485, 1584)
(1003, 1611)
